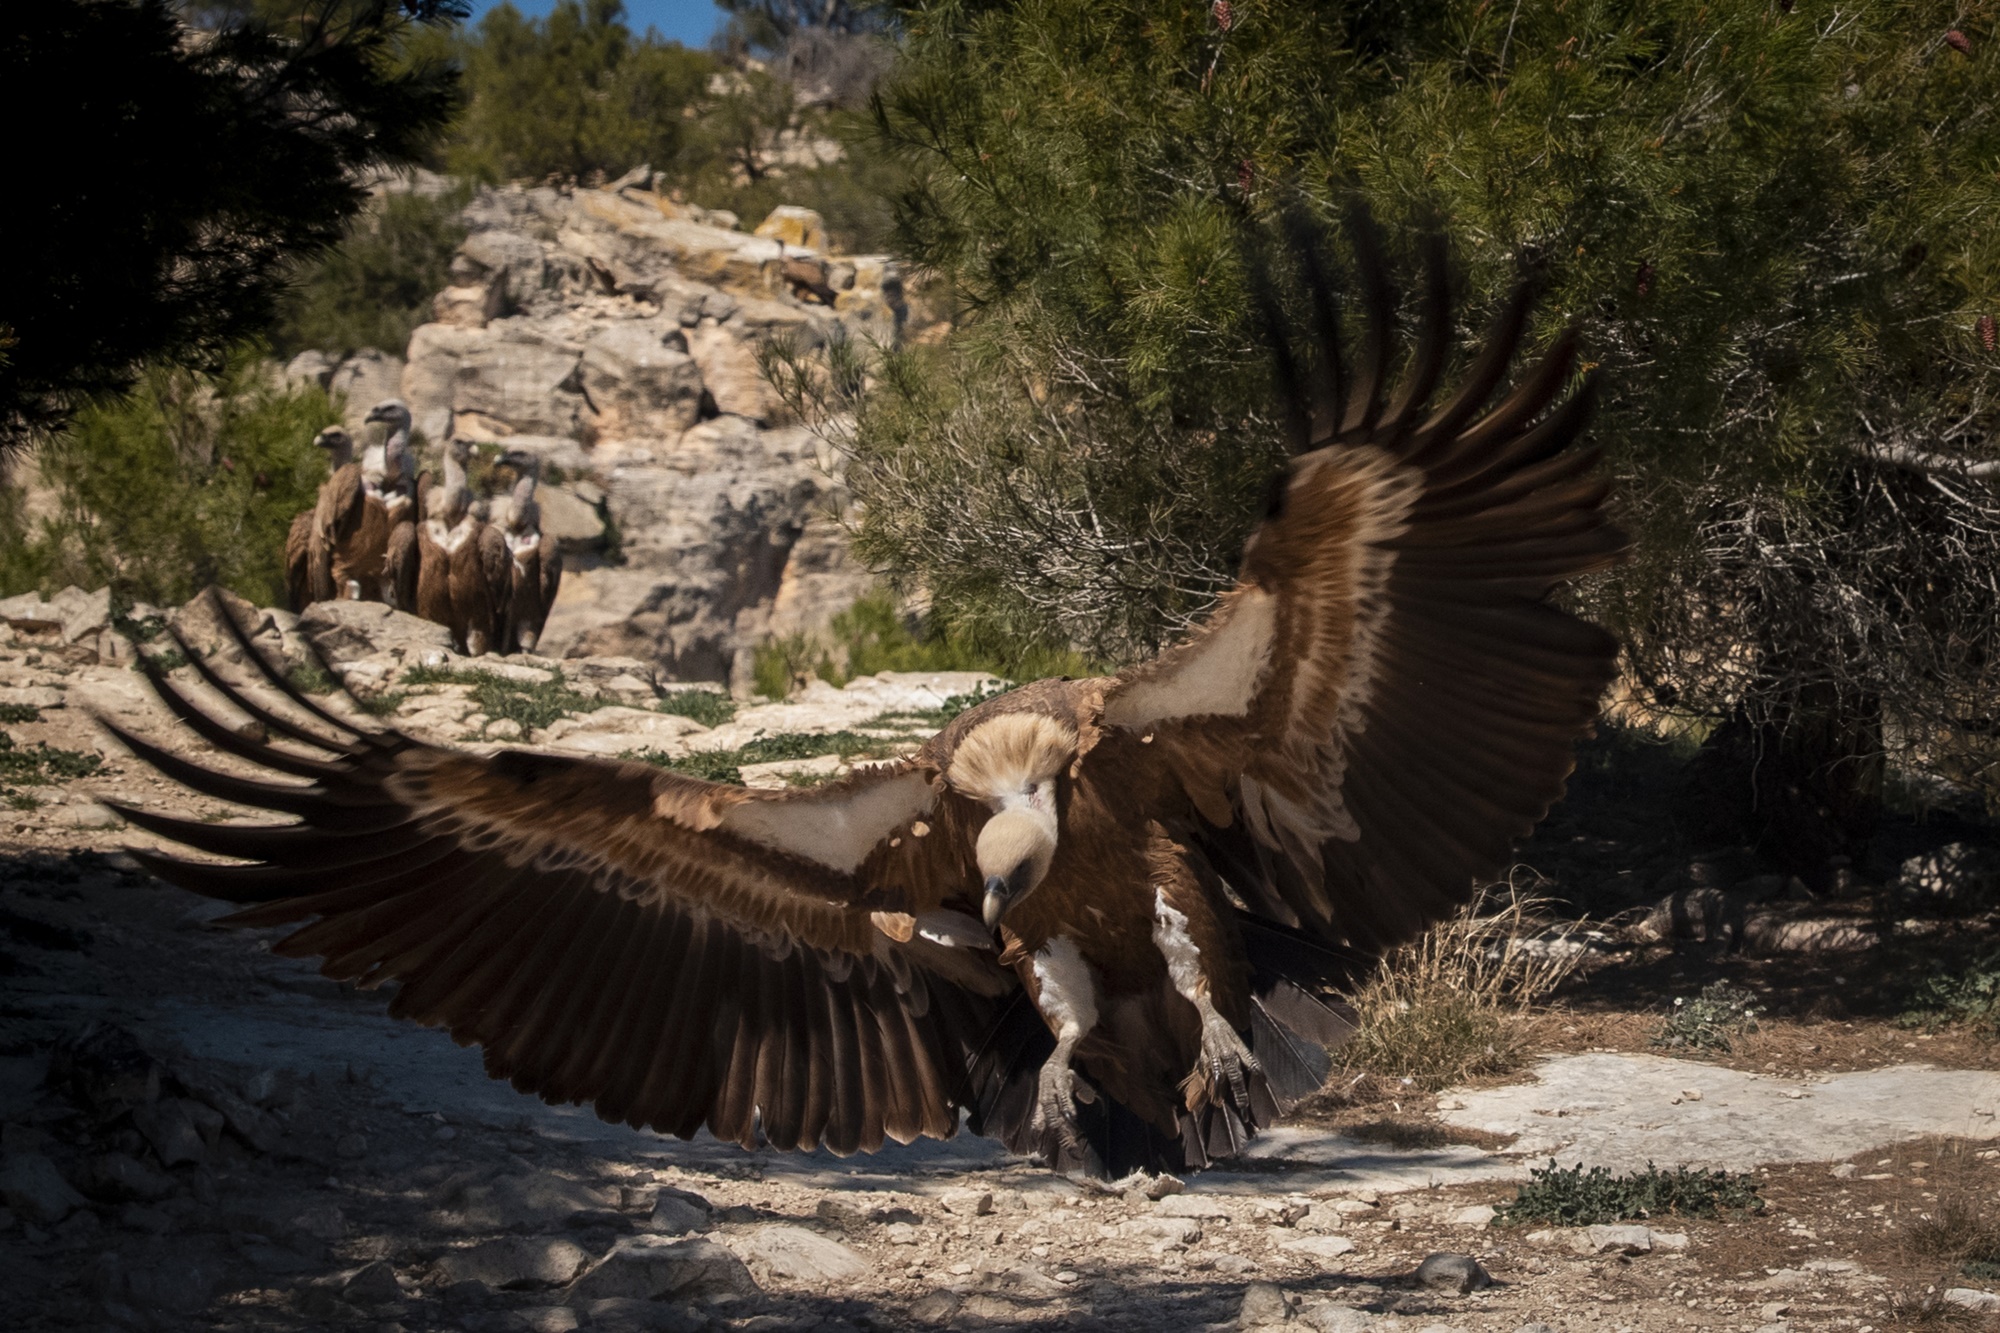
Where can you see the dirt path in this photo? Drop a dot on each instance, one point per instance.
(198, 1134)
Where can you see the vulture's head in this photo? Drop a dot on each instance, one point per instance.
(394, 411)
(1011, 762)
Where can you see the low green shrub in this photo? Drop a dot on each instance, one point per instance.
(39, 765)
(1708, 1022)
(1575, 1197)
(711, 708)
(20, 713)
(1949, 993)
(533, 705)
(727, 765)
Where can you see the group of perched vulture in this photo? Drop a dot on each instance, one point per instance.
(379, 532)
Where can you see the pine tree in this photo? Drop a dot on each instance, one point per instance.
(1775, 223)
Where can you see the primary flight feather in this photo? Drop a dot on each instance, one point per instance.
(1103, 919)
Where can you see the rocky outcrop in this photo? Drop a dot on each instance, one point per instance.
(617, 335)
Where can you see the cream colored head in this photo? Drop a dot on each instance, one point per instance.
(1012, 763)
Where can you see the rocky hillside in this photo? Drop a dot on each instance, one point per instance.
(615, 334)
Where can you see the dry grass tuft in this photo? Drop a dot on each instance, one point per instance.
(1452, 1003)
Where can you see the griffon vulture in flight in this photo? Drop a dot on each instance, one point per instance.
(1101, 918)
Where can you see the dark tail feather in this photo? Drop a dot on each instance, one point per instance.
(1295, 1065)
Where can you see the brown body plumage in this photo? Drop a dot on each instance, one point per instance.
(534, 570)
(315, 535)
(1105, 917)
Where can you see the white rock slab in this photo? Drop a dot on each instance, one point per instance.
(822, 707)
(1622, 1111)
(615, 730)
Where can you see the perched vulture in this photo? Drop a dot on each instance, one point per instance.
(1102, 917)
(392, 487)
(447, 526)
(534, 565)
(335, 516)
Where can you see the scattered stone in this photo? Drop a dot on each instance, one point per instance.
(371, 1284)
(967, 1203)
(1616, 1240)
(1319, 1247)
(535, 1202)
(1673, 1242)
(649, 1268)
(1264, 1303)
(117, 1176)
(900, 1233)
(625, 1314)
(33, 1188)
(799, 1255)
(677, 1212)
(935, 1307)
(1162, 1230)
(1844, 1171)
(1333, 1318)
(551, 1319)
(514, 1262)
(1452, 1272)
(1201, 1207)
(1979, 1302)
(1478, 1215)
(1535, 1328)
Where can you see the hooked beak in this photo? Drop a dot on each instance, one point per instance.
(997, 896)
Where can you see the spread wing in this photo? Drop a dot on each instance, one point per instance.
(1387, 700)
(675, 952)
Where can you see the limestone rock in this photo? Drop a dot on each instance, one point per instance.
(799, 1255)
(730, 373)
(532, 1203)
(1967, 1298)
(363, 380)
(312, 368)
(677, 1212)
(1616, 1240)
(346, 631)
(1459, 1273)
(1333, 1318)
(641, 381)
(795, 226)
(1264, 1303)
(472, 306)
(33, 1188)
(650, 1268)
(615, 731)
(1322, 1248)
(522, 1262)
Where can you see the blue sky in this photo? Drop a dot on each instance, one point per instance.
(689, 22)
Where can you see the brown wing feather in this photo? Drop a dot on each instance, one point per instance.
(675, 952)
(1387, 700)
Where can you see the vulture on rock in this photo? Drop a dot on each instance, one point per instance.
(331, 523)
(1106, 918)
(395, 488)
(446, 527)
(534, 565)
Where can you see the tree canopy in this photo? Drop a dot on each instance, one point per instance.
(173, 176)
(1774, 222)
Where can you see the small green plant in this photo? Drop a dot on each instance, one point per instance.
(20, 713)
(167, 659)
(531, 704)
(711, 708)
(39, 766)
(1575, 1197)
(382, 705)
(872, 636)
(1709, 1021)
(312, 677)
(1950, 994)
(727, 765)
(933, 719)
